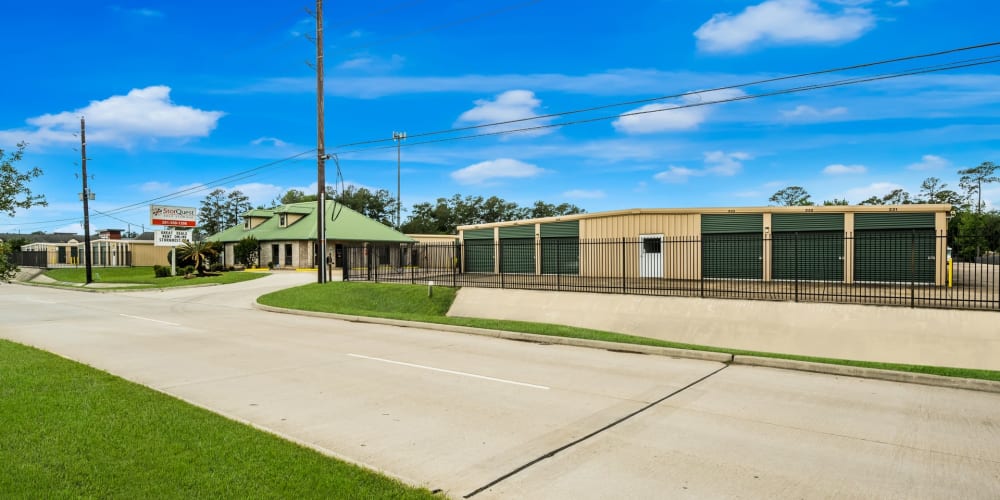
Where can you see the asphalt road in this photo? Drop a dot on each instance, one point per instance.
(501, 419)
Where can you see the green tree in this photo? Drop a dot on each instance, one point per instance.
(836, 202)
(247, 251)
(791, 196)
(220, 211)
(199, 252)
(897, 197)
(14, 190)
(541, 209)
(7, 267)
(874, 200)
(378, 205)
(972, 180)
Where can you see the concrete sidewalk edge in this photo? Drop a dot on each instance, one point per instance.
(528, 337)
(870, 373)
(784, 364)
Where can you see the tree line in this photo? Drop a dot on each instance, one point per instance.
(972, 230)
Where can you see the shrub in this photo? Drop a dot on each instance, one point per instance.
(270, 265)
(161, 271)
(217, 267)
(188, 269)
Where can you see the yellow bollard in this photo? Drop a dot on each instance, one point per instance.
(949, 273)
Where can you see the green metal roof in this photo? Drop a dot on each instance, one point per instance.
(349, 226)
(258, 212)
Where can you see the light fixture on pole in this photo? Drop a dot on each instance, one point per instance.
(398, 137)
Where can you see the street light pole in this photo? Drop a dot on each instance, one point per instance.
(398, 137)
(320, 153)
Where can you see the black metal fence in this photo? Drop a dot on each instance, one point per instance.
(29, 259)
(886, 267)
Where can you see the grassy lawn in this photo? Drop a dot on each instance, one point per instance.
(410, 302)
(72, 431)
(144, 276)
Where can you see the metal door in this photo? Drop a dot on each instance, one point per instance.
(651, 256)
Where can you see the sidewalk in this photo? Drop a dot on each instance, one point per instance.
(955, 338)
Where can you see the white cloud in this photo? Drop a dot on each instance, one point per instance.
(858, 194)
(260, 193)
(840, 169)
(589, 194)
(716, 163)
(141, 12)
(676, 174)
(501, 168)
(75, 228)
(929, 162)
(900, 3)
(372, 64)
(121, 120)
(727, 164)
(273, 141)
(664, 117)
(507, 106)
(810, 113)
(782, 22)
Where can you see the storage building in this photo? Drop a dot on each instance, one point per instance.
(884, 243)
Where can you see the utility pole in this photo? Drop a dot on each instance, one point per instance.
(398, 137)
(320, 153)
(86, 198)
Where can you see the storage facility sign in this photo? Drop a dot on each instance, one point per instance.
(171, 237)
(162, 215)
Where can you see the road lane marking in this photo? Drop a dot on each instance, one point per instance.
(151, 319)
(453, 372)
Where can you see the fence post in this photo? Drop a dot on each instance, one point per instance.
(413, 268)
(913, 268)
(455, 262)
(795, 259)
(558, 268)
(701, 258)
(499, 244)
(624, 286)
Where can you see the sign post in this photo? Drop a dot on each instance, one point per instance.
(173, 217)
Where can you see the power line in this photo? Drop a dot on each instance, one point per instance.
(685, 94)
(241, 175)
(839, 83)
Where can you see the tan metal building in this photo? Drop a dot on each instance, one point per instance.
(905, 243)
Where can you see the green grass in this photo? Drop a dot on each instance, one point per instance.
(67, 430)
(410, 302)
(144, 276)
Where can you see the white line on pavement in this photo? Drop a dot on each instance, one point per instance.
(442, 370)
(151, 319)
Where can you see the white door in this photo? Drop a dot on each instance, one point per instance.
(651, 256)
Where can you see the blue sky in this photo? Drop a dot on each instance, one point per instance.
(179, 94)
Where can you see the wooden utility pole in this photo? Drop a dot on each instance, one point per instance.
(321, 276)
(86, 201)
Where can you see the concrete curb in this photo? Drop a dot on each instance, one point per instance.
(783, 364)
(528, 337)
(871, 373)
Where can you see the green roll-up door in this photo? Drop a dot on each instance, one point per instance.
(732, 223)
(478, 250)
(894, 220)
(560, 247)
(560, 256)
(732, 246)
(807, 246)
(567, 229)
(517, 255)
(894, 247)
(520, 232)
(808, 255)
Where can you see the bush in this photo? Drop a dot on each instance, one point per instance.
(188, 269)
(217, 267)
(161, 271)
(270, 265)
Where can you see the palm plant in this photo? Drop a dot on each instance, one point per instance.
(199, 252)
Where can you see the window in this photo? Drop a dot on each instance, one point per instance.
(651, 245)
(246, 223)
(282, 220)
(288, 254)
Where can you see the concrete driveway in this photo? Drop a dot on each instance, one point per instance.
(493, 418)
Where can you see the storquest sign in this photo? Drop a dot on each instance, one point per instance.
(163, 215)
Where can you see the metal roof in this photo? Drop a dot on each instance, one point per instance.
(349, 226)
